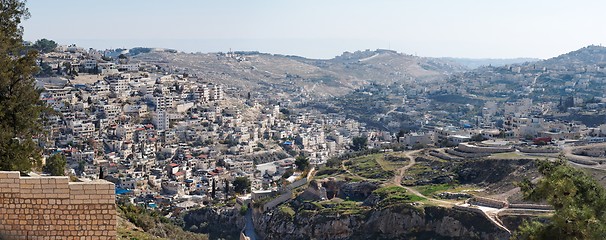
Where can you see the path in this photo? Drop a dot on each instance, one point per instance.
(397, 180)
(568, 153)
(352, 173)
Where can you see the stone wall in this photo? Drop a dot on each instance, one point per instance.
(54, 208)
(472, 148)
(488, 202)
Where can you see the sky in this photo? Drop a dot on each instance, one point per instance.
(326, 28)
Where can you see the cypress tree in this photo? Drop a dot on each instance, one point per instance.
(212, 193)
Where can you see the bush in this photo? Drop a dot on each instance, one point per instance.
(243, 210)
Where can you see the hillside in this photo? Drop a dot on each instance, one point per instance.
(589, 55)
(292, 77)
(578, 73)
(473, 63)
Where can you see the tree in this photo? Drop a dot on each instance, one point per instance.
(226, 189)
(20, 105)
(44, 45)
(55, 165)
(80, 168)
(477, 138)
(579, 202)
(359, 143)
(241, 185)
(302, 162)
(213, 189)
(288, 173)
(401, 133)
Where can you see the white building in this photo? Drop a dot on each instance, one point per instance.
(161, 119)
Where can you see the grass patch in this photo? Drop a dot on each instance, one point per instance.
(415, 172)
(391, 161)
(285, 209)
(326, 172)
(395, 195)
(368, 167)
(343, 207)
(429, 190)
(507, 155)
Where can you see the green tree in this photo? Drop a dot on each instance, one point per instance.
(20, 104)
(359, 143)
(401, 133)
(302, 162)
(242, 185)
(44, 45)
(288, 173)
(55, 165)
(579, 202)
(477, 138)
(213, 189)
(226, 188)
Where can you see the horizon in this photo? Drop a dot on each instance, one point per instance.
(323, 30)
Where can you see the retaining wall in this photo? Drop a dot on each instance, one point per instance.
(54, 208)
(488, 202)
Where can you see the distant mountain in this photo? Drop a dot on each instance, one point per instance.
(580, 74)
(590, 55)
(474, 63)
(287, 77)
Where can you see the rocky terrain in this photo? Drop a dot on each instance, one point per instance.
(380, 216)
(295, 77)
(216, 222)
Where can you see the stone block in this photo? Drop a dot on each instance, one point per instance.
(90, 191)
(8, 180)
(81, 196)
(9, 174)
(61, 191)
(76, 186)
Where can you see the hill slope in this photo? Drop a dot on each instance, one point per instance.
(292, 77)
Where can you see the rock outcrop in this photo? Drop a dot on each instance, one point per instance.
(400, 221)
(215, 221)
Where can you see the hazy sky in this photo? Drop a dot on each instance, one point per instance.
(326, 28)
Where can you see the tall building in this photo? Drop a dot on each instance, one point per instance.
(161, 120)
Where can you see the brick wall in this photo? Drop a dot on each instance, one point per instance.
(54, 208)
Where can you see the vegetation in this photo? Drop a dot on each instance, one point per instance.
(395, 195)
(343, 207)
(243, 210)
(152, 222)
(327, 171)
(20, 104)
(44, 45)
(368, 167)
(302, 162)
(55, 165)
(288, 173)
(287, 210)
(336, 161)
(242, 185)
(359, 143)
(391, 161)
(431, 189)
(579, 203)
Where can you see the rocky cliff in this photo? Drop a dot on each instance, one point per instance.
(400, 221)
(217, 222)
